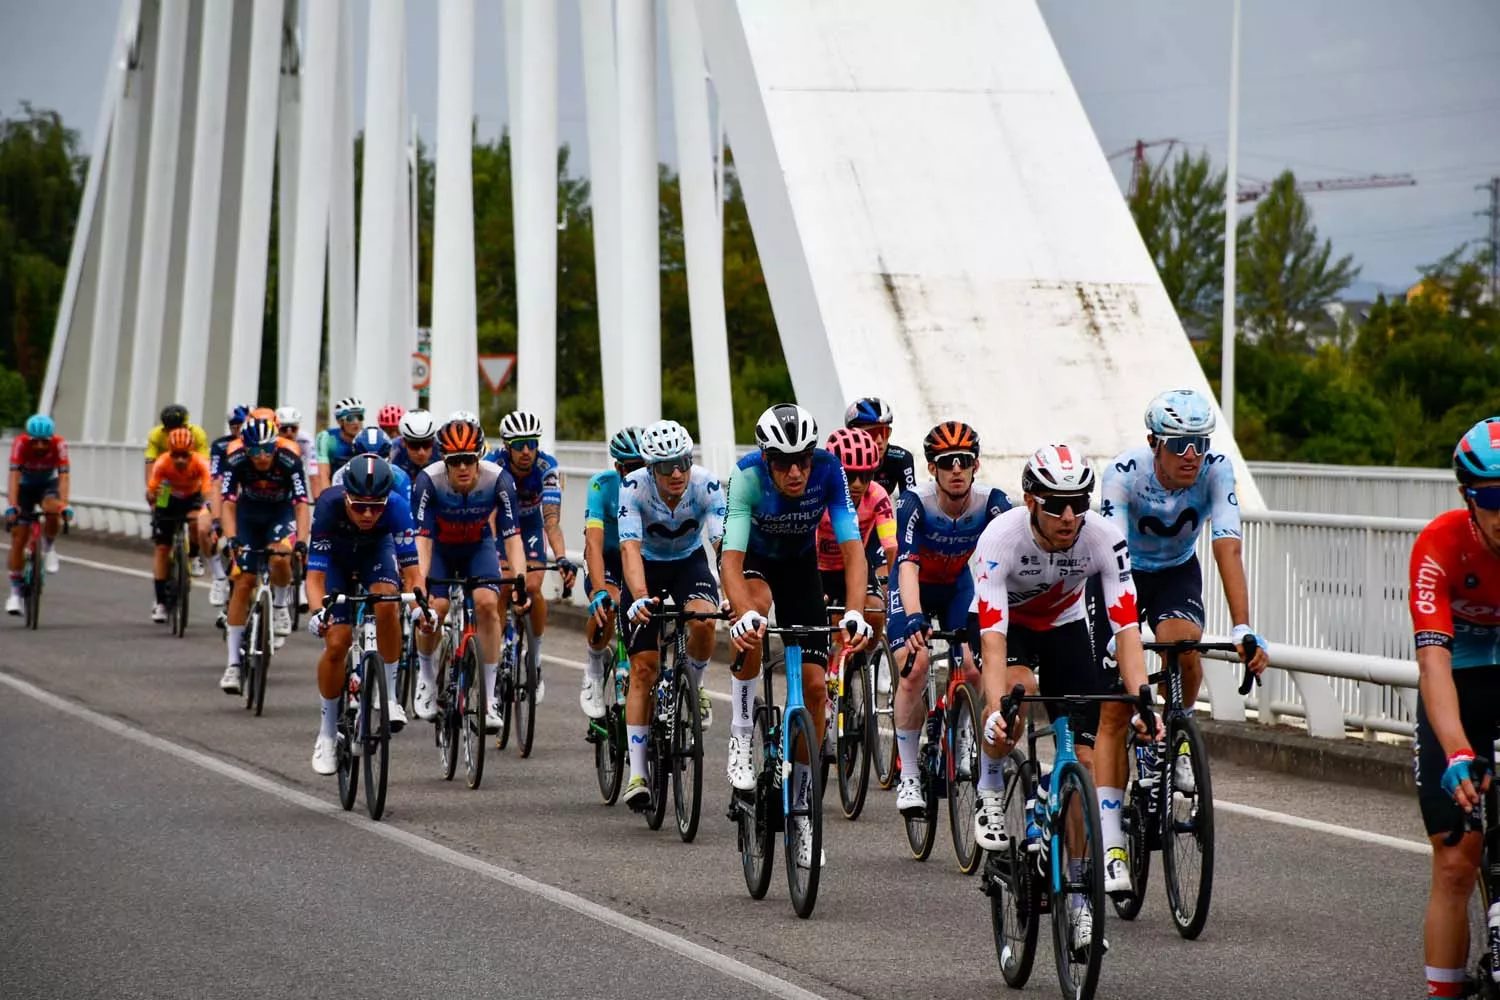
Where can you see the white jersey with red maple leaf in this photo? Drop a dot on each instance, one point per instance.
(1020, 582)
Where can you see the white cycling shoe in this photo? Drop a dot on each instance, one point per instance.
(325, 756)
(230, 682)
(13, 604)
(159, 613)
(395, 714)
(1183, 778)
(741, 766)
(1116, 870)
(218, 592)
(909, 797)
(196, 566)
(49, 557)
(591, 698)
(281, 621)
(425, 702)
(989, 820)
(492, 718)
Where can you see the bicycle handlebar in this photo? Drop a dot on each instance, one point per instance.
(1010, 705)
(1172, 650)
(1478, 768)
(544, 567)
(797, 632)
(414, 597)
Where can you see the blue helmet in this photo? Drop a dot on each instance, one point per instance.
(39, 425)
(237, 415)
(625, 446)
(1476, 459)
(868, 411)
(1179, 412)
(372, 441)
(258, 431)
(368, 477)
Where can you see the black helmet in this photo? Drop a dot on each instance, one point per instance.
(368, 477)
(173, 415)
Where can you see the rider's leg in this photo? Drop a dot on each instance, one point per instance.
(1176, 630)
(159, 558)
(1445, 929)
(17, 559)
(52, 520)
(487, 616)
(644, 667)
(336, 643)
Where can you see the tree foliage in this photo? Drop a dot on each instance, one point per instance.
(1180, 213)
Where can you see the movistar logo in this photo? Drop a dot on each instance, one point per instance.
(1150, 524)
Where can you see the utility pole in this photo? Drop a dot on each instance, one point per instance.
(1493, 187)
(1231, 218)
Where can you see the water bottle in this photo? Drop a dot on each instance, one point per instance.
(622, 676)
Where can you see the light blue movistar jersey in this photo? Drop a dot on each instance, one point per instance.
(602, 509)
(1162, 525)
(667, 533)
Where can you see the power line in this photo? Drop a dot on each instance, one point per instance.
(1494, 216)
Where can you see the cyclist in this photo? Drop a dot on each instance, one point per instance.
(39, 477)
(265, 506)
(460, 504)
(665, 510)
(175, 491)
(601, 560)
(897, 470)
(777, 496)
(938, 525)
(1034, 563)
(1454, 597)
(361, 537)
(414, 451)
(538, 514)
(389, 418)
(290, 420)
(373, 441)
(336, 443)
(217, 449)
(173, 416)
(1161, 495)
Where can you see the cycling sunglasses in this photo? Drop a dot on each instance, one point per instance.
(668, 466)
(956, 459)
(522, 444)
(462, 459)
(412, 444)
(256, 450)
(1179, 445)
(290, 430)
(352, 415)
(784, 463)
(859, 475)
(365, 506)
(1484, 497)
(1058, 504)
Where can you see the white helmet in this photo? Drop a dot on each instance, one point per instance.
(1057, 468)
(1180, 412)
(664, 440)
(418, 425)
(288, 415)
(786, 428)
(348, 406)
(463, 416)
(520, 424)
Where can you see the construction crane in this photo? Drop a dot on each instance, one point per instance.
(1251, 190)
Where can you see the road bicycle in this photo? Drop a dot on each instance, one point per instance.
(256, 641)
(462, 701)
(34, 571)
(608, 734)
(846, 733)
(520, 674)
(881, 719)
(179, 587)
(1482, 978)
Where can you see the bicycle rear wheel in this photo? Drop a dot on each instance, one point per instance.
(963, 778)
(881, 722)
(1078, 908)
(474, 711)
(445, 727)
(525, 695)
(687, 756)
(803, 837)
(608, 736)
(376, 734)
(510, 661)
(1011, 878)
(299, 574)
(1187, 847)
(921, 824)
(181, 585)
(755, 811)
(348, 763)
(1135, 821)
(853, 749)
(263, 639)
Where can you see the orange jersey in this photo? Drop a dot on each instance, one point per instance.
(190, 480)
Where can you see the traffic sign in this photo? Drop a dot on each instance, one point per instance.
(421, 370)
(496, 369)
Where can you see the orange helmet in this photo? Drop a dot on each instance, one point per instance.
(950, 436)
(459, 437)
(264, 413)
(179, 440)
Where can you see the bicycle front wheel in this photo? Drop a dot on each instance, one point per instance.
(608, 735)
(1011, 878)
(345, 755)
(474, 711)
(756, 812)
(181, 585)
(1078, 898)
(250, 654)
(376, 735)
(450, 712)
(1187, 843)
(263, 640)
(1138, 842)
(963, 777)
(881, 726)
(853, 746)
(687, 756)
(803, 838)
(34, 585)
(525, 692)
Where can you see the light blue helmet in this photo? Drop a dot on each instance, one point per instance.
(39, 425)
(1476, 459)
(625, 446)
(665, 440)
(1179, 412)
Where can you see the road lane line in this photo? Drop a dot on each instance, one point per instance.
(1235, 808)
(707, 957)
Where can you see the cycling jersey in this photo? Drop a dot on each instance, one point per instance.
(449, 517)
(309, 450)
(157, 446)
(665, 533)
(877, 522)
(1162, 525)
(939, 544)
(39, 465)
(403, 481)
(760, 519)
(1455, 591)
(1039, 590)
(401, 458)
(602, 509)
(332, 450)
(181, 483)
(216, 452)
(282, 483)
(539, 487)
(337, 539)
(897, 471)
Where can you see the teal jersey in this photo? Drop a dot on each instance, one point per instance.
(603, 508)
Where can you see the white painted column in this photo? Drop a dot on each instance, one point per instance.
(288, 146)
(597, 31)
(702, 235)
(640, 269)
(255, 202)
(536, 232)
(119, 197)
(310, 231)
(156, 229)
(203, 206)
(455, 363)
(397, 387)
(341, 248)
(514, 102)
(377, 214)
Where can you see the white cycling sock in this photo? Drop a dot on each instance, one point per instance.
(281, 596)
(991, 770)
(700, 667)
(637, 741)
(910, 742)
(1111, 805)
(801, 784)
(1076, 900)
(490, 670)
(744, 705)
(390, 681)
(236, 633)
(425, 668)
(330, 719)
(217, 566)
(593, 667)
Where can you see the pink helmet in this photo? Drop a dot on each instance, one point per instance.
(390, 416)
(855, 448)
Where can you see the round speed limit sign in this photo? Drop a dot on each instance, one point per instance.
(421, 370)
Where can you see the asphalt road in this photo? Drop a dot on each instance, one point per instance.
(156, 840)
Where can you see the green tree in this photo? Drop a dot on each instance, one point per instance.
(1179, 211)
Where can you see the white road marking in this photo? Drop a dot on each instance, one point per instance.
(667, 941)
(1235, 808)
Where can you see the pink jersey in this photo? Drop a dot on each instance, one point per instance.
(877, 518)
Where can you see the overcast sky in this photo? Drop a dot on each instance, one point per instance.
(1329, 88)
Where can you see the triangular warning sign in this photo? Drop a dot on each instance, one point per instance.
(496, 369)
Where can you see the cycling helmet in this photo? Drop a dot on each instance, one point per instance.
(259, 431)
(264, 413)
(289, 416)
(625, 446)
(39, 425)
(174, 415)
(418, 425)
(1057, 468)
(786, 428)
(1475, 460)
(179, 439)
(868, 410)
(372, 441)
(854, 448)
(949, 437)
(520, 424)
(390, 415)
(349, 406)
(368, 477)
(1179, 412)
(237, 415)
(459, 437)
(665, 440)
(464, 415)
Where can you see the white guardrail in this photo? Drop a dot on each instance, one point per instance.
(1328, 591)
(1356, 489)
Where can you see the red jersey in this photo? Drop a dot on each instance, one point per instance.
(38, 460)
(1454, 592)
